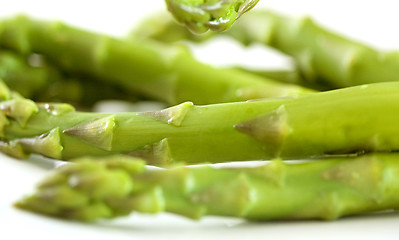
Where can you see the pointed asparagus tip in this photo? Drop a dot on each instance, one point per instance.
(89, 189)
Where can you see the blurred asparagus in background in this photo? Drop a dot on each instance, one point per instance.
(160, 72)
(323, 58)
(201, 15)
(36, 79)
(320, 54)
(163, 28)
(91, 189)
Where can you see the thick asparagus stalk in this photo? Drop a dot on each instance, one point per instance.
(92, 189)
(42, 82)
(161, 72)
(217, 15)
(349, 120)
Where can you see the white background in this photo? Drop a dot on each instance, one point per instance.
(372, 22)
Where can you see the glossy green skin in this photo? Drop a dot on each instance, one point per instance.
(92, 189)
(334, 122)
(160, 72)
(200, 15)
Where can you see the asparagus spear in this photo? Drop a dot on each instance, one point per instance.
(162, 27)
(165, 73)
(348, 120)
(42, 82)
(324, 58)
(201, 15)
(92, 189)
(320, 54)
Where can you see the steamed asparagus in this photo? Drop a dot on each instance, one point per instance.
(334, 122)
(92, 189)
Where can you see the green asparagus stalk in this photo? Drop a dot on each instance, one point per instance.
(352, 120)
(324, 58)
(92, 189)
(321, 55)
(161, 72)
(162, 27)
(42, 82)
(201, 15)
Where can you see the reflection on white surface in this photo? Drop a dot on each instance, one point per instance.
(373, 22)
